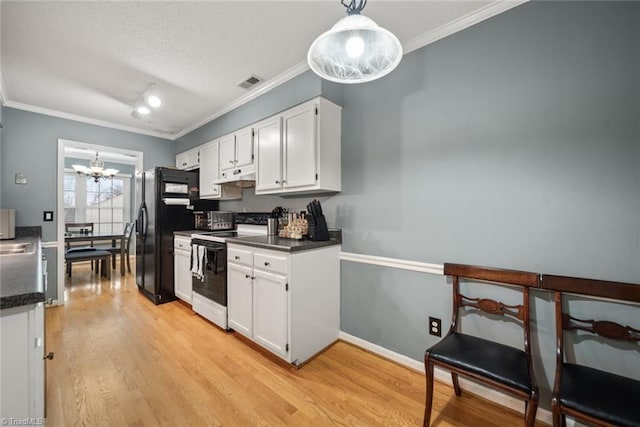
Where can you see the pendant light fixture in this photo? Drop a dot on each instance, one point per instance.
(355, 50)
(95, 170)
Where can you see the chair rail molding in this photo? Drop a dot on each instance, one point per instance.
(402, 264)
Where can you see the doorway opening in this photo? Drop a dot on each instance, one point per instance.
(75, 203)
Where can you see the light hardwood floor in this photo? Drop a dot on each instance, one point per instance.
(122, 361)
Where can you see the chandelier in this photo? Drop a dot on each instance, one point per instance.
(355, 50)
(95, 170)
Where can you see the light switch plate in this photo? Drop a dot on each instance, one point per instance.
(21, 179)
(48, 216)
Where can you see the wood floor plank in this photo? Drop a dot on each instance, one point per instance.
(122, 361)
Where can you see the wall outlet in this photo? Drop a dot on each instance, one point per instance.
(435, 326)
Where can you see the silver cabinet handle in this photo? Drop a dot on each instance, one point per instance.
(247, 276)
(277, 182)
(231, 161)
(236, 257)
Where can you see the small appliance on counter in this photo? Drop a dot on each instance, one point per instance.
(214, 220)
(7, 224)
(317, 223)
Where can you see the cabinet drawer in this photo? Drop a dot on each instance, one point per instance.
(240, 256)
(270, 262)
(182, 243)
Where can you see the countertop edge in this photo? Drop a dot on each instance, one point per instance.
(300, 245)
(21, 300)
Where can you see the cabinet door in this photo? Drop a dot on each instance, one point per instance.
(270, 311)
(21, 362)
(181, 161)
(268, 141)
(299, 145)
(244, 147)
(182, 274)
(240, 298)
(193, 158)
(227, 152)
(209, 170)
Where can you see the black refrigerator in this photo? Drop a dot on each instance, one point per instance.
(166, 198)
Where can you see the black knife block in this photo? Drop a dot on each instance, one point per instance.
(317, 228)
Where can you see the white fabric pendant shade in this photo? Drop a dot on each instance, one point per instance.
(355, 50)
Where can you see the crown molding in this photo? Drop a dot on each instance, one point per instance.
(249, 96)
(475, 17)
(83, 119)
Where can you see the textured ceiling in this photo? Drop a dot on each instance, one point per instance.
(92, 60)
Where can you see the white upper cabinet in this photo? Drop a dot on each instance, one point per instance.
(209, 175)
(244, 147)
(227, 152)
(189, 159)
(299, 146)
(298, 150)
(209, 170)
(269, 154)
(236, 154)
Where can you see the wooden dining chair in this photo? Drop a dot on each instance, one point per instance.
(124, 242)
(506, 368)
(595, 395)
(77, 227)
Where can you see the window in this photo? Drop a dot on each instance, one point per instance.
(106, 203)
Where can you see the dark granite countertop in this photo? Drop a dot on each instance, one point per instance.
(287, 245)
(22, 282)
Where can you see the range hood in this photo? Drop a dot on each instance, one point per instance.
(242, 176)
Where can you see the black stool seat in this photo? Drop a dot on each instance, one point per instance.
(90, 254)
(85, 255)
(601, 394)
(499, 362)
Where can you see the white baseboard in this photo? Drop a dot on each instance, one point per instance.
(542, 415)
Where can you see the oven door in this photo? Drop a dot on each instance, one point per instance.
(213, 285)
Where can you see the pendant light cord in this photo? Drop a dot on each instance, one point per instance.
(352, 9)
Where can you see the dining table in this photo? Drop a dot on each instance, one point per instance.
(77, 236)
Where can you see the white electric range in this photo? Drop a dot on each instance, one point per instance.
(210, 280)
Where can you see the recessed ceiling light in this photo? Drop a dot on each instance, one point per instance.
(143, 109)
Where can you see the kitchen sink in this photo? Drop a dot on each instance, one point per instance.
(16, 248)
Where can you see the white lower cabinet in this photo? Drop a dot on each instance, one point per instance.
(270, 311)
(21, 362)
(240, 298)
(289, 303)
(182, 268)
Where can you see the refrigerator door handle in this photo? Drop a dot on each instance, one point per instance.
(145, 222)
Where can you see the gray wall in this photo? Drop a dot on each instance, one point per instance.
(30, 147)
(515, 144)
